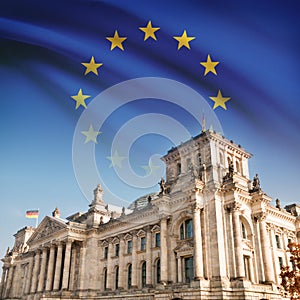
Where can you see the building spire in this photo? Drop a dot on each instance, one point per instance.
(203, 123)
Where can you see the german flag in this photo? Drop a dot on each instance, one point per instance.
(32, 214)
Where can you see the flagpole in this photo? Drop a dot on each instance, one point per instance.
(37, 219)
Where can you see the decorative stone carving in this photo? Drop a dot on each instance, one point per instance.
(49, 228)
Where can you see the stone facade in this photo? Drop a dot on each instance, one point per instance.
(211, 233)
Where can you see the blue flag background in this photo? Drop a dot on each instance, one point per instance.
(42, 46)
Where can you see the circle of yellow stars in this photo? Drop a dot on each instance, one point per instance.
(117, 41)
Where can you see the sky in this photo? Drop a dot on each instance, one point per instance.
(146, 98)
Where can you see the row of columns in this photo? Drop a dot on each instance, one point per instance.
(264, 241)
(47, 270)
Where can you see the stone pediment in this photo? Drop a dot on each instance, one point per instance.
(184, 247)
(46, 228)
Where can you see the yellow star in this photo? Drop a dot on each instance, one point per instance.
(116, 160)
(91, 66)
(116, 41)
(183, 40)
(209, 65)
(91, 135)
(79, 98)
(219, 100)
(149, 31)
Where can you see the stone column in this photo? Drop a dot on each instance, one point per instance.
(57, 271)
(49, 280)
(122, 251)
(237, 238)
(134, 261)
(148, 258)
(82, 263)
(66, 269)
(265, 247)
(72, 268)
(179, 269)
(198, 258)
(3, 278)
(9, 281)
(29, 276)
(35, 271)
(163, 251)
(42, 271)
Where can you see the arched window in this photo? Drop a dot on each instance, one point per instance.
(186, 229)
(117, 278)
(129, 276)
(105, 279)
(144, 274)
(158, 271)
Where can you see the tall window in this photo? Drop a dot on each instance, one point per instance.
(199, 160)
(189, 269)
(157, 239)
(188, 164)
(105, 279)
(247, 267)
(178, 168)
(117, 278)
(186, 229)
(129, 276)
(105, 252)
(144, 274)
(117, 249)
(280, 260)
(277, 237)
(129, 247)
(143, 243)
(244, 233)
(158, 271)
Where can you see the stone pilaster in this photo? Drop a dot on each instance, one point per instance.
(163, 251)
(237, 238)
(198, 258)
(66, 269)
(42, 271)
(109, 283)
(134, 261)
(57, 272)
(35, 272)
(148, 258)
(265, 247)
(122, 251)
(179, 269)
(49, 280)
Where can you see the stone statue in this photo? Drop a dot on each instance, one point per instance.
(162, 184)
(256, 183)
(98, 192)
(123, 211)
(278, 205)
(230, 169)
